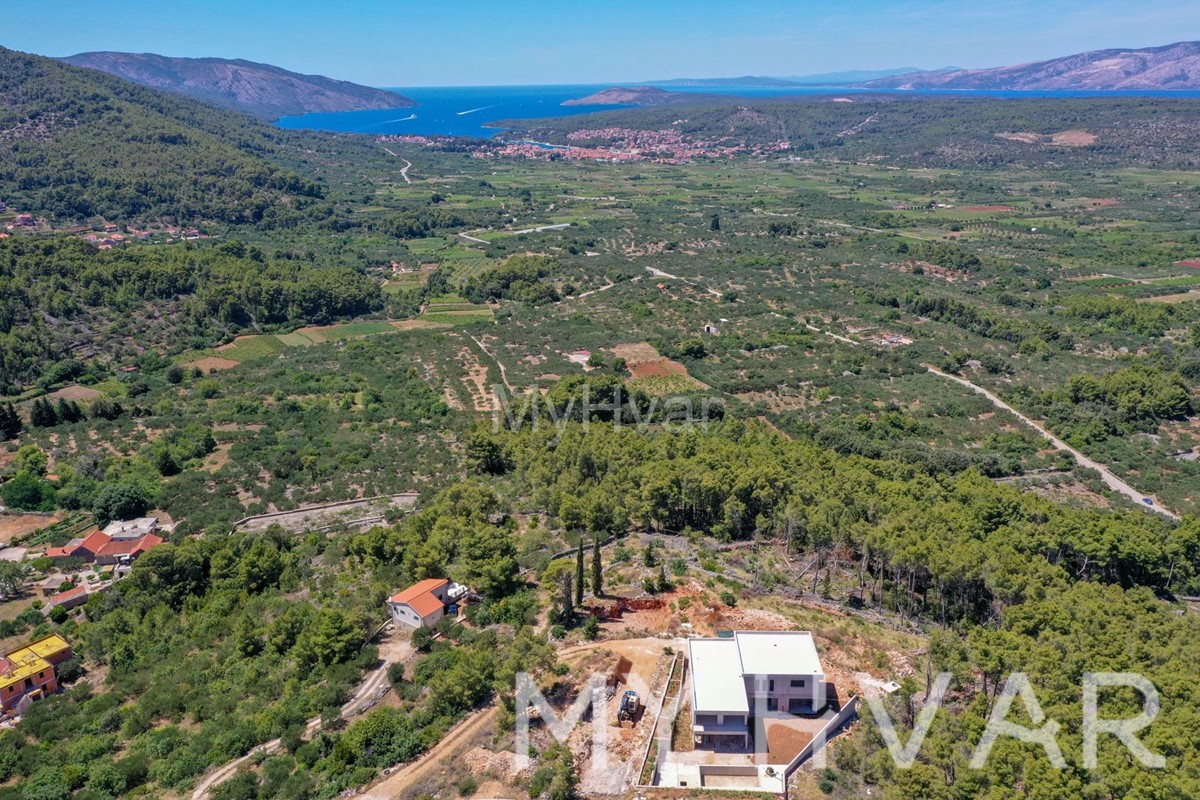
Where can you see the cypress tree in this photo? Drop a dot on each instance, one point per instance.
(597, 570)
(568, 608)
(579, 573)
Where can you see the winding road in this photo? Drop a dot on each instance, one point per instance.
(1110, 480)
(403, 170)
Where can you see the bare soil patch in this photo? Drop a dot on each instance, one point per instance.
(1027, 137)
(657, 369)
(1073, 138)
(664, 368)
(989, 208)
(211, 363)
(14, 525)
(217, 458)
(74, 393)
(476, 380)
(1182, 297)
(636, 353)
(416, 324)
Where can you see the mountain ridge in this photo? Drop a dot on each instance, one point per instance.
(261, 90)
(1163, 68)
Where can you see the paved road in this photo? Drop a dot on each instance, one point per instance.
(543, 228)
(1110, 480)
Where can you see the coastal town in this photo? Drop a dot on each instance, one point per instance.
(615, 145)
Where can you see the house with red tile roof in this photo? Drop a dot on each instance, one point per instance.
(71, 598)
(85, 548)
(125, 550)
(103, 549)
(424, 603)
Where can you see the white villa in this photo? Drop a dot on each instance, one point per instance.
(745, 676)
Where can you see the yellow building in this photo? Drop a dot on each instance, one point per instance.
(31, 671)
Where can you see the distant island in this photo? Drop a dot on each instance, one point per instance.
(261, 90)
(638, 96)
(755, 81)
(1173, 67)
(767, 82)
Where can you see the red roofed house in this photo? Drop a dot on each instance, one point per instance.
(120, 550)
(71, 598)
(424, 603)
(104, 549)
(86, 548)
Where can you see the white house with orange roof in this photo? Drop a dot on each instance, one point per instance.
(424, 603)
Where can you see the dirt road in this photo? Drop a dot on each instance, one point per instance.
(393, 785)
(499, 365)
(373, 686)
(1110, 480)
(407, 165)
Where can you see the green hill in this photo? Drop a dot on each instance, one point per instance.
(76, 143)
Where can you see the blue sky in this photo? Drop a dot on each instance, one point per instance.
(482, 42)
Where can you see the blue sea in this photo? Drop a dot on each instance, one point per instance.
(464, 110)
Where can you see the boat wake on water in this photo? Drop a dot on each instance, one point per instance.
(473, 110)
(390, 121)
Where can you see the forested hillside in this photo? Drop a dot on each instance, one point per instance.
(77, 143)
(63, 302)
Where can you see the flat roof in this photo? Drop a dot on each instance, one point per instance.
(25, 661)
(717, 684)
(778, 653)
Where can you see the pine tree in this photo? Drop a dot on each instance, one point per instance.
(579, 573)
(10, 423)
(43, 415)
(66, 412)
(597, 569)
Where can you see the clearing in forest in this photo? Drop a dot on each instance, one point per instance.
(475, 378)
